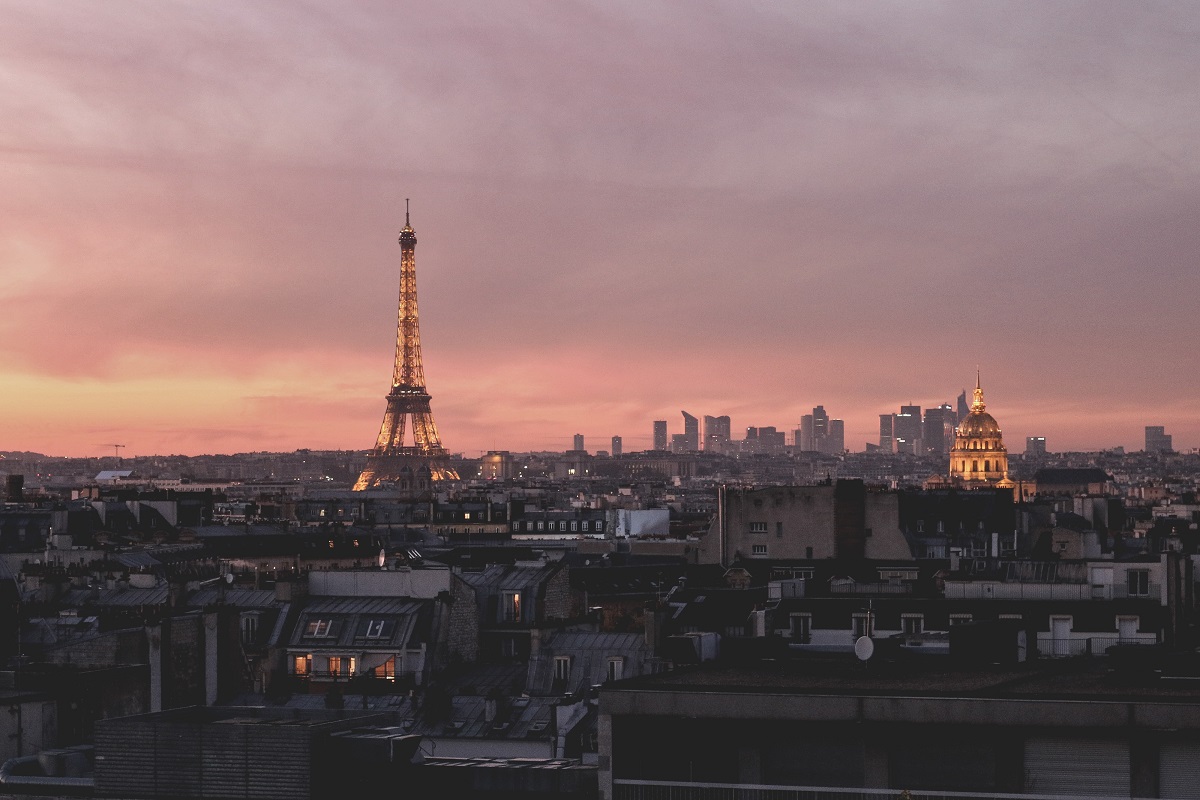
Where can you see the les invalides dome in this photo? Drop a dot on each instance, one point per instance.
(979, 457)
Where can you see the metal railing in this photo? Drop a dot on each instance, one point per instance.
(671, 790)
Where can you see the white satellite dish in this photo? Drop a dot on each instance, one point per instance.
(382, 556)
(864, 648)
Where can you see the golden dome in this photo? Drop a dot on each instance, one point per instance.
(979, 456)
(978, 423)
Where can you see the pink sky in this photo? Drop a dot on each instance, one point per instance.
(623, 210)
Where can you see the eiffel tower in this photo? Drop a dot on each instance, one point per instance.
(410, 469)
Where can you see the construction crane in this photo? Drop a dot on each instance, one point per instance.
(116, 449)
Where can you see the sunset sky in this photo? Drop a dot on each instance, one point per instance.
(623, 209)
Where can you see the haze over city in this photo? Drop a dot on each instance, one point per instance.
(622, 211)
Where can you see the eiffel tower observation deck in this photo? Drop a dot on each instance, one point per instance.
(409, 468)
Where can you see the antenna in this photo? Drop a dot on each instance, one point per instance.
(406, 222)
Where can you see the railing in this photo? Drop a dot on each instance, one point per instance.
(996, 590)
(871, 588)
(1089, 646)
(670, 790)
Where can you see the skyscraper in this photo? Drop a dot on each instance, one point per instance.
(937, 436)
(820, 426)
(835, 442)
(887, 426)
(807, 443)
(1157, 439)
(578, 442)
(616, 446)
(906, 430)
(716, 433)
(660, 434)
(410, 468)
(691, 432)
(1035, 445)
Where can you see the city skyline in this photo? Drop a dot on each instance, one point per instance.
(623, 211)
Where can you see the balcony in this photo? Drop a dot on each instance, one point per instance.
(669, 790)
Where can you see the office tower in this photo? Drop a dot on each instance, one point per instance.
(820, 426)
(963, 408)
(1157, 439)
(906, 430)
(835, 442)
(578, 442)
(691, 433)
(716, 433)
(616, 446)
(937, 436)
(887, 426)
(806, 444)
(1035, 445)
(660, 434)
(391, 461)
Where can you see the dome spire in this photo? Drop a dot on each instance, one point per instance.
(977, 405)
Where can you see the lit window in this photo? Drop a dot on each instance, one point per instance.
(511, 602)
(386, 670)
(336, 665)
(562, 668)
(302, 665)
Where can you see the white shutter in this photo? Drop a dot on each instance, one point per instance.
(1095, 767)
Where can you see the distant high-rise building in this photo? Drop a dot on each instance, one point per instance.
(616, 446)
(578, 442)
(835, 442)
(1158, 440)
(963, 407)
(716, 433)
(887, 427)
(660, 434)
(906, 430)
(691, 433)
(1035, 445)
(820, 425)
(807, 443)
(938, 435)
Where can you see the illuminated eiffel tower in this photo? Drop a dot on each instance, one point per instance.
(412, 469)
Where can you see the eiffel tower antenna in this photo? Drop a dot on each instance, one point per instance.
(412, 469)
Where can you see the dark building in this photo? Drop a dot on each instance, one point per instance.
(660, 434)
(1157, 439)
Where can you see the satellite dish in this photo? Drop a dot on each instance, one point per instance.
(382, 556)
(864, 648)
(228, 577)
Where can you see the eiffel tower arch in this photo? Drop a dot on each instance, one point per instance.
(410, 468)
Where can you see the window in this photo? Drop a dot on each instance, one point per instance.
(808, 553)
(863, 624)
(508, 647)
(959, 619)
(616, 667)
(801, 628)
(516, 526)
(599, 525)
(1139, 582)
(302, 665)
(386, 670)
(376, 628)
(758, 527)
(574, 525)
(541, 525)
(249, 627)
(778, 530)
(912, 623)
(336, 665)
(759, 550)
(562, 668)
(323, 628)
(511, 606)
(585, 525)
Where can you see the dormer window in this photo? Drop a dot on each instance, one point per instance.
(376, 628)
(323, 628)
